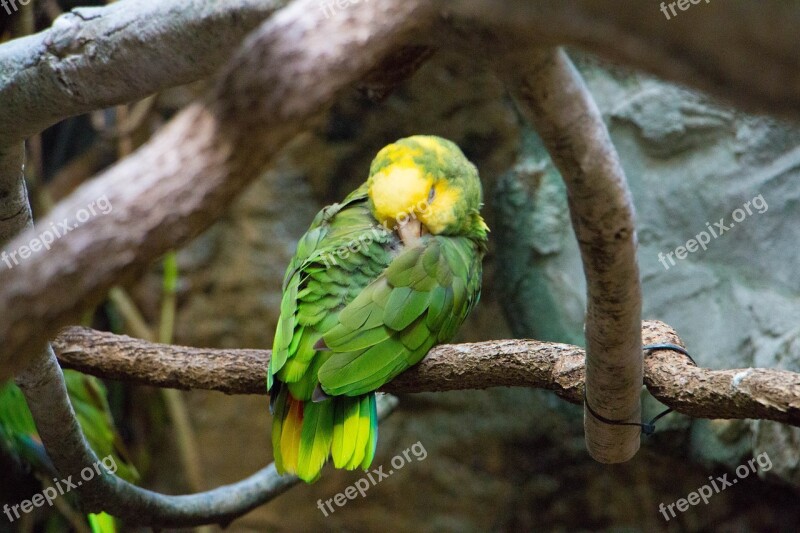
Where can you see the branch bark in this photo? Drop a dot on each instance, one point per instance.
(551, 93)
(95, 57)
(748, 53)
(15, 212)
(670, 377)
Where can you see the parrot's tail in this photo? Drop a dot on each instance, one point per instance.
(305, 434)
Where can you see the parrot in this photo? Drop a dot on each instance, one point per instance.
(375, 283)
(19, 438)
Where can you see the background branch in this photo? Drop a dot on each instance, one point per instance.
(15, 213)
(669, 376)
(95, 57)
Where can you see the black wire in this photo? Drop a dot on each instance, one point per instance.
(650, 427)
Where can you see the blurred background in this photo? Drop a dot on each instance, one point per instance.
(500, 459)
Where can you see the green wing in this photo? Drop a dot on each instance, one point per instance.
(419, 301)
(342, 252)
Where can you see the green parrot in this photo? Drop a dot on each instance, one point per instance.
(376, 282)
(19, 438)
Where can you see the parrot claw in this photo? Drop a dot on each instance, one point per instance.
(319, 395)
(410, 232)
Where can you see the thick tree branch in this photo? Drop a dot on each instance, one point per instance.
(669, 376)
(45, 390)
(177, 184)
(748, 52)
(95, 57)
(551, 93)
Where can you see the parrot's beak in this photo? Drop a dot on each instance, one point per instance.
(410, 232)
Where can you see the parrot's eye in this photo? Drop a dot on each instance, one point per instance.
(432, 193)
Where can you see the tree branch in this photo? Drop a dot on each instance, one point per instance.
(551, 93)
(669, 376)
(95, 57)
(45, 390)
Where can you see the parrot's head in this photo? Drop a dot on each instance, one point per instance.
(427, 183)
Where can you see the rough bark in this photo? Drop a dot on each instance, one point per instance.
(669, 376)
(748, 53)
(95, 57)
(551, 93)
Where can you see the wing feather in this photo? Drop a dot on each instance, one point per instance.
(396, 319)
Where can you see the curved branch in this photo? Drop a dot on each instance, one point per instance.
(551, 93)
(670, 377)
(45, 390)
